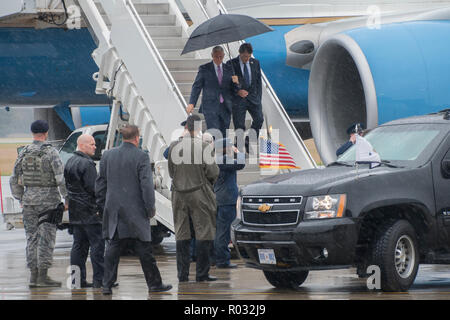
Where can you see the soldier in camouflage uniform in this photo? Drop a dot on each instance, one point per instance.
(38, 173)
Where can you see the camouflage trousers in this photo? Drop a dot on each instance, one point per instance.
(40, 239)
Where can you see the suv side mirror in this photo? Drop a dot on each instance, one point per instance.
(445, 168)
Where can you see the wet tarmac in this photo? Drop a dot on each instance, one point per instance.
(432, 282)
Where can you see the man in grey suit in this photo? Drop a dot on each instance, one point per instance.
(215, 79)
(124, 190)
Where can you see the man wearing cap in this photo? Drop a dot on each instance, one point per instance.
(229, 160)
(38, 174)
(351, 131)
(193, 172)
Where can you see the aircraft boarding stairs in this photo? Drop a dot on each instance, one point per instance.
(140, 66)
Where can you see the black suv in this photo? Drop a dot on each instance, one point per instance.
(349, 214)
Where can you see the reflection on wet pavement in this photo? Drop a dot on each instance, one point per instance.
(432, 282)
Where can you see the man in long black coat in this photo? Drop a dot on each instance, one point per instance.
(80, 175)
(124, 189)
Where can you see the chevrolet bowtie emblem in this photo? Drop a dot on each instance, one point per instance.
(264, 208)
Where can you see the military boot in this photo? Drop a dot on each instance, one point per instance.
(33, 278)
(183, 260)
(203, 248)
(45, 281)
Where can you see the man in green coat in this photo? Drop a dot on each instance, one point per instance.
(193, 171)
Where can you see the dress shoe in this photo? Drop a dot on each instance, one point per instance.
(106, 291)
(207, 278)
(87, 285)
(227, 266)
(160, 288)
(183, 279)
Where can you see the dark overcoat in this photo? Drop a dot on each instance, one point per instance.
(125, 190)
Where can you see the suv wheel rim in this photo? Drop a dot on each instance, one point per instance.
(405, 256)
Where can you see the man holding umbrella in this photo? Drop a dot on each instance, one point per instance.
(223, 28)
(248, 97)
(215, 79)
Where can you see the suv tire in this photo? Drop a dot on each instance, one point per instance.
(286, 279)
(396, 252)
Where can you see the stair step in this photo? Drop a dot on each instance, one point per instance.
(169, 43)
(152, 8)
(185, 88)
(144, 8)
(164, 31)
(152, 20)
(174, 53)
(184, 76)
(185, 64)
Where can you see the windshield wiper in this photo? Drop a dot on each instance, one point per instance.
(340, 163)
(387, 163)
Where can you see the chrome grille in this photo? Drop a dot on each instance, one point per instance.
(284, 210)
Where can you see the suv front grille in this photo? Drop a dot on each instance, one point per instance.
(271, 210)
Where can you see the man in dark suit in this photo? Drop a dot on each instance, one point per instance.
(124, 189)
(215, 79)
(248, 97)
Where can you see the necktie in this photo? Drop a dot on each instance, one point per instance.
(246, 75)
(219, 77)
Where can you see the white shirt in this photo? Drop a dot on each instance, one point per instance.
(248, 67)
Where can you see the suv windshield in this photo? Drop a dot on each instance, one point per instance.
(70, 145)
(406, 144)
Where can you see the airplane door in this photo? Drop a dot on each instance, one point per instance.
(441, 179)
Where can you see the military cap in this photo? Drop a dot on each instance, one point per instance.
(190, 122)
(39, 126)
(352, 129)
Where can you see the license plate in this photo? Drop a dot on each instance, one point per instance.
(266, 256)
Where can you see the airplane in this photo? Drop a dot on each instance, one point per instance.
(52, 67)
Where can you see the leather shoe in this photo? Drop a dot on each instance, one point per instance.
(106, 291)
(227, 266)
(87, 285)
(207, 278)
(183, 279)
(160, 288)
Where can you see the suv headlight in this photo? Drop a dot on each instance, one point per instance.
(323, 207)
(238, 208)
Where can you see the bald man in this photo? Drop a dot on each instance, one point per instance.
(80, 175)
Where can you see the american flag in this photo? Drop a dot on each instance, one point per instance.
(275, 155)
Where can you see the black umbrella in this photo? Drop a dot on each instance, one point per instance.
(224, 28)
